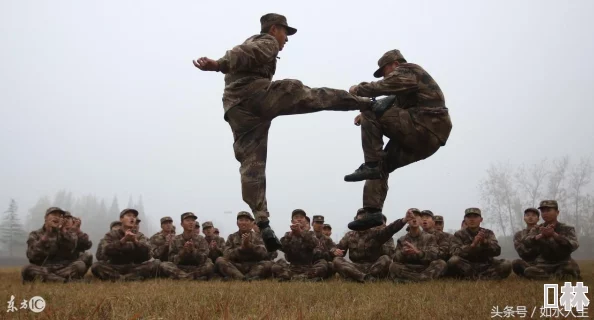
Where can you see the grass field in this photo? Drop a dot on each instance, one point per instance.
(334, 299)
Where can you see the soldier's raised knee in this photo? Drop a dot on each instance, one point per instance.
(454, 261)
(505, 268)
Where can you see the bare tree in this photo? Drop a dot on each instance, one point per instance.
(579, 177)
(532, 181)
(557, 177)
(12, 233)
(500, 198)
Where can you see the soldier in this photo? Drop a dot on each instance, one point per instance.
(216, 244)
(327, 230)
(136, 228)
(245, 256)
(216, 232)
(438, 222)
(326, 249)
(50, 251)
(366, 251)
(188, 253)
(251, 100)
(442, 239)
(161, 240)
(415, 119)
(115, 225)
(197, 228)
(474, 250)
(417, 255)
(301, 248)
(308, 224)
(83, 243)
(527, 254)
(127, 253)
(554, 241)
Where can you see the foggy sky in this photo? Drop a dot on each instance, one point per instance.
(101, 97)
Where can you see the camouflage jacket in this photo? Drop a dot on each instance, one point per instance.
(526, 252)
(235, 252)
(425, 242)
(299, 249)
(325, 249)
(120, 253)
(248, 68)
(483, 252)
(415, 90)
(57, 249)
(550, 249)
(443, 241)
(217, 251)
(159, 246)
(99, 256)
(83, 244)
(271, 255)
(182, 256)
(367, 246)
(389, 248)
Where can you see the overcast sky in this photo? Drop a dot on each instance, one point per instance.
(101, 97)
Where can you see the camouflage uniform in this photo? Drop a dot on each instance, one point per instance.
(300, 252)
(125, 261)
(271, 255)
(244, 263)
(99, 253)
(366, 252)
(527, 253)
(251, 100)
(389, 248)
(477, 262)
(443, 240)
(425, 266)
(326, 247)
(418, 123)
(186, 264)
(53, 259)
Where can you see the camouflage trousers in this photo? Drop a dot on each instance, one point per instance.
(54, 272)
(409, 142)
(519, 266)
(87, 258)
(545, 270)
(283, 270)
(494, 270)
(240, 271)
(173, 271)
(106, 271)
(434, 270)
(250, 122)
(358, 271)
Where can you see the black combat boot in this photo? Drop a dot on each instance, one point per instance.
(270, 240)
(368, 221)
(365, 172)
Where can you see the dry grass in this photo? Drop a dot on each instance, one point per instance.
(335, 299)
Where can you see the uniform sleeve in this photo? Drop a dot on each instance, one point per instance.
(400, 80)
(258, 250)
(385, 234)
(67, 241)
(249, 55)
(219, 249)
(459, 248)
(113, 247)
(83, 242)
(159, 247)
(142, 248)
(200, 252)
(568, 240)
(99, 254)
(389, 248)
(398, 254)
(530, 239)
(491, 247)
(521, 248)
(430, 251)
(230, 251)
(37, 250)
(174, 251)
(343, 244)
(443, 246)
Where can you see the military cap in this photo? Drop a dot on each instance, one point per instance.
(427, 213)
(388, 57)
(197, 224)
(298, 211)
(54, 210)
(327, 226)
(138, 221)
(270, 19)
(532, 210)
(548, 204)
(129, 210)
(318, 219)
(165, 219)
(415, 210)
(308, 219)
(216, 230)
(207, 224)
(67, 214)
(114, 223)
(438, 218)
(472, 211)
(245, 214)
(188, 215)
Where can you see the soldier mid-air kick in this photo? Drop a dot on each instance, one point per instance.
(415, 119)
(251, 100)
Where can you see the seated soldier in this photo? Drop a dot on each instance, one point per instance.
(326, 247)
(188, 253)
(216, 244)
(217, 232)
(554, 241)
(197, 229)
(161, 240)
(127, 253)
(299, 246)
(49, 251)
(417, 255)
(115, 225)
(474, 250)
(443, 239)
(327, 230)
(366, 251)
(82, 243)
(527, 254)
(245, 256)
